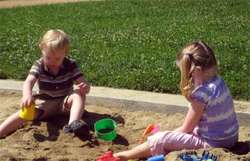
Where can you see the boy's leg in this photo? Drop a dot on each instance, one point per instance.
(75, 103)
(47, 107)
(140, 151)
(12, 123)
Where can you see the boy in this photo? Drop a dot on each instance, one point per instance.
(55, 75)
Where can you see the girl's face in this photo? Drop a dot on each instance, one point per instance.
(53, 59)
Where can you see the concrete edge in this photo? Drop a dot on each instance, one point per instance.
(25, 3)
(135, 105)
(127, 99)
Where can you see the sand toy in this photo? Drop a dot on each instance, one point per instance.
(105, 129)
(28, 112)
(151, 129)
(108, 156)
(193, 156)
(157, 158)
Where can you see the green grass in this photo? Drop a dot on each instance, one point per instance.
(132, 44)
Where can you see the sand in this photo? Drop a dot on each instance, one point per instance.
(45, 141)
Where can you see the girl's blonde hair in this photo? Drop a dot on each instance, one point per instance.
(192, 55)
(54, 40)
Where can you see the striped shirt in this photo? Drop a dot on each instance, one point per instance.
(218, 124)
(55, 86)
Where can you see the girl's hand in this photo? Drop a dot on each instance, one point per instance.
(26, 100)
(83, 88)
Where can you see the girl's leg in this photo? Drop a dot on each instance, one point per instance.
(167, 141)
(76, 104)
(139, 151)
(12, 123)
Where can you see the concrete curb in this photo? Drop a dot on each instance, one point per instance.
(23, 3)
(123, 98)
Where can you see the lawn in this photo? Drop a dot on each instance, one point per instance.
(132, 44)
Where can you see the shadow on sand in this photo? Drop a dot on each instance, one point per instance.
(241, 148)
(55, 124)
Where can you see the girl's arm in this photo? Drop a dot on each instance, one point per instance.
(27, 90)
(192, 118)
(83, 85)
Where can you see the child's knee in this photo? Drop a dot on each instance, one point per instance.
(79, 93)
(77, 97)
(74, 99)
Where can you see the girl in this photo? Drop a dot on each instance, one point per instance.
(210, 121)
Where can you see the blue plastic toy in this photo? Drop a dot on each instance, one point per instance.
(189, 156)
(193, 156)
(157, 158)
(208, 156)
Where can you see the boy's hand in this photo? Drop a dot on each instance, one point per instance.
(26, 100)
(83, 88)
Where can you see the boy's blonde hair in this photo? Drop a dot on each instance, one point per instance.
(54, 40)
(195, 54)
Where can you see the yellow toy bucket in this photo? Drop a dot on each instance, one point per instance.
(28, 112)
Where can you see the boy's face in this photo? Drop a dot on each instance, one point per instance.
(53, 59)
